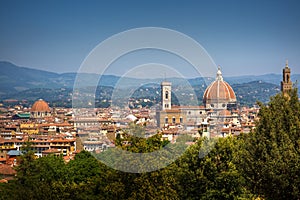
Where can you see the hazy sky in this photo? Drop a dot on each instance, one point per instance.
(244, 37)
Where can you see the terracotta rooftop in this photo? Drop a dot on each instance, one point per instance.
(40, 106)
(7, 170)
(51, 151)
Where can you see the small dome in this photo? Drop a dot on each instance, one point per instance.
(219, 91)
(40, 106)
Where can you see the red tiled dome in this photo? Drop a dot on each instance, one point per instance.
(40, 106)
(219, 90)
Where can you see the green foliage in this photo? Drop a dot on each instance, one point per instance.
(269, 157)
(82, 168)
(139, 154)
(190, 177)
(134, 140)
(213, 176)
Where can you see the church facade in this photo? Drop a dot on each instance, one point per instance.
(218, 101)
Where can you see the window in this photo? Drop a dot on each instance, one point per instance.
(181, 120)
(212, 105)
(173, 120)
(167, 95)
(166, 120)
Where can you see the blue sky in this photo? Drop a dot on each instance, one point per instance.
(244, 37)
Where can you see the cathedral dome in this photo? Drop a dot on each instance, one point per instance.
(40, 106)
(218, 93)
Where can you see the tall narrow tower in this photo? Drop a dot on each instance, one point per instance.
(166, 95)
(286, 83)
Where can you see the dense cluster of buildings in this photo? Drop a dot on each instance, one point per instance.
(59, 131)
(219, 115)
(47, 131)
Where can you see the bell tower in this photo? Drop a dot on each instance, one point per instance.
(166, 95)
(286, 83)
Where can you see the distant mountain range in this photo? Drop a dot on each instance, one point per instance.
(18, 81)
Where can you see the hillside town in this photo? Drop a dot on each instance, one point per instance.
(59, 131)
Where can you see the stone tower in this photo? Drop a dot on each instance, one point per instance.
(166, 95)
(286, 83)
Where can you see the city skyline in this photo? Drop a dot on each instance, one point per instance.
(244, 38)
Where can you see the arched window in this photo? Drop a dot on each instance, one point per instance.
(173, 120)
(166, 120)
(167, 95)
(181, 120)
(287, 78)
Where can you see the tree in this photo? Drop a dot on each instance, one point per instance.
(213, 176)
(83, 167)
(37, 178)
(269, 157)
